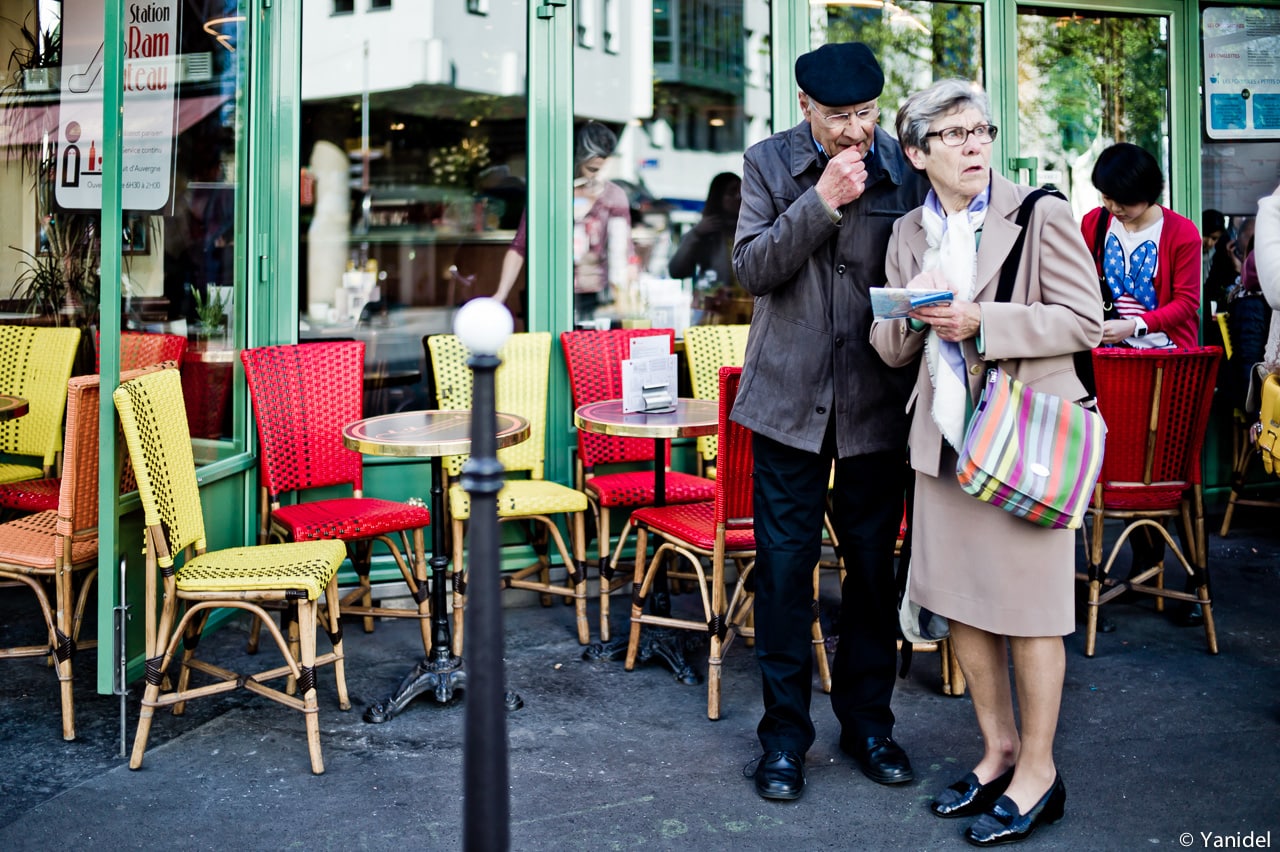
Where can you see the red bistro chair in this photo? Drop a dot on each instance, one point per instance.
(1156, 404)
(137, 350)
(303, 395)
(594, 361)
(720, 530)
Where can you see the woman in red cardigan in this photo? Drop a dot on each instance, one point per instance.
(1148, 257)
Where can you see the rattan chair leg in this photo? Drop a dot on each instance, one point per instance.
(65, 619)
(420, 577)
(1091, 632)
(255, 629)
(608, 567)
(145, 715)
(335, 634)
(640, 591)
(307, 662)
(459, 586)
(579, 541)
(195, 627)
(819, 641)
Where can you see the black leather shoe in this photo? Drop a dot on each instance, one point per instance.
(1003, 824)
(1187, 615)
(779, 775)
(968, 797)
(881, 759)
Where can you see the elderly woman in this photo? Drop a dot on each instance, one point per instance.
(1004, 584)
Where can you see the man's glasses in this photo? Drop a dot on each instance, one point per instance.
(841, 120)
(956, 136)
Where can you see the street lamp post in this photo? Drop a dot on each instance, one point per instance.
(483, 325)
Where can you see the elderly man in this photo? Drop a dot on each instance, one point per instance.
(818, 204)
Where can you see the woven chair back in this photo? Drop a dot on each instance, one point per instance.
(78, 495)
(594, 361)
(1156, 405)
(520, 387)
(154, 421)
(303, 396)
(736, 465)
(142, 349)
(708, 348)
(35, 363)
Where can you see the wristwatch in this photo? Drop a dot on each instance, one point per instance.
(1141, 329)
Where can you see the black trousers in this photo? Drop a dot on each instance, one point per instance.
(790, 498)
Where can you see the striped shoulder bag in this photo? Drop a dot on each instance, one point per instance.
(1033, 454)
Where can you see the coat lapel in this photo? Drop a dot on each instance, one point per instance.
(998, 235)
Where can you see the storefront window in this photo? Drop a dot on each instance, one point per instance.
(183, 79)
(414, 177)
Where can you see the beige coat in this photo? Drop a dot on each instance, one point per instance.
(1055, 309)
(973, 562)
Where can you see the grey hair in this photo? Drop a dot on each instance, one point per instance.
(594, 140)
(918, 112)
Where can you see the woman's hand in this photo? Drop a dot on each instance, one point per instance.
(1115, 331)
(954, 322)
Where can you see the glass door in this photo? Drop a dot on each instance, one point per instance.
(1087, 80)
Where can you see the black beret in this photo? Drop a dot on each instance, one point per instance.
(840, 74)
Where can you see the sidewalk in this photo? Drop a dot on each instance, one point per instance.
(1157, 738)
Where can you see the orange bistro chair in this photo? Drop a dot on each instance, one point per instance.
(1156, 404)
(137, 350)
(59, 547)
(594, 361)
(292, 575)
(303, 396)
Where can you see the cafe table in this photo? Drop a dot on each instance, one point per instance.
(12, 407)
(687, 418)
(433, 435)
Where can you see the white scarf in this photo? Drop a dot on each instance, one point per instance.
(953, 247)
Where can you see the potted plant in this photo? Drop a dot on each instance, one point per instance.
(211, 311)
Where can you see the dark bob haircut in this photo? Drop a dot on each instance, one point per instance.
(1128, 174)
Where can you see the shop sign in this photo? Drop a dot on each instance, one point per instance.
(1242, 72)
(150, 79)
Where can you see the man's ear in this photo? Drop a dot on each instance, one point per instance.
(804, 104)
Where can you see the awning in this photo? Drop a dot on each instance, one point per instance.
(27, 125)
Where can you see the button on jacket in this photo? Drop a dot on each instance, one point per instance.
(808, 357)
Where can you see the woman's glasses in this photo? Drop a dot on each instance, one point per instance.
(956, 136)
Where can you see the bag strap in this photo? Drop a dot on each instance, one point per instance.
(1009, 272)
(1109, 310)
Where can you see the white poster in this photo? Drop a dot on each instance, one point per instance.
(150, 80)
(1242, 72)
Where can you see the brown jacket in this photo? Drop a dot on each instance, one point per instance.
(1055, 309)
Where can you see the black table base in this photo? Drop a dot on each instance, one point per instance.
(662, 643)
(439, 677)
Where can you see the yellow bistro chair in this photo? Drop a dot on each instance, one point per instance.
(707, 348)
(35, 364)
(154, 421)
(521, 389)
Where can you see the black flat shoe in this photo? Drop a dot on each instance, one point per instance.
(880, 758)
(968, 797)
(779, 775)
(1003, 824)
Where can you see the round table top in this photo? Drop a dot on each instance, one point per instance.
(691, 417)
(426, 434)
(12, 407)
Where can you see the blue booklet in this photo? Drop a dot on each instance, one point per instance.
(895, 302)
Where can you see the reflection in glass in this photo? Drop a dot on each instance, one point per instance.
(1085, 83)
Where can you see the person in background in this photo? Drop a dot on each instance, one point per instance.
(1213, 224)
(1145, 253)
(705, 253)
(818, 203)
(1266, 253)
(1003, 584)
(601, 228)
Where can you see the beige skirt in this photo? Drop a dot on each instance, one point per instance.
(979, 565)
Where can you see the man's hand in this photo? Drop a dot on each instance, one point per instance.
(844, 178)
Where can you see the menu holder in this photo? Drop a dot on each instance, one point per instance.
(649, 376)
